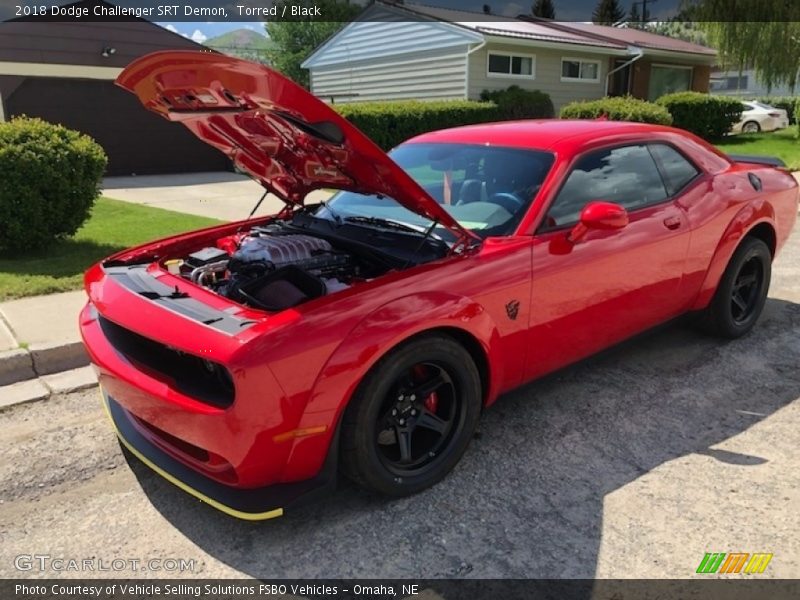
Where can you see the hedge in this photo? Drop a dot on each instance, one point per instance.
(516, 103)
(390, 123)
(619, 108)
(710, 117)
(49, 180)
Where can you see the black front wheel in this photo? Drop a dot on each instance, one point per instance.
(412, 417)
(742, 291)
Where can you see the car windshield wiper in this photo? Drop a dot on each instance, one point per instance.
(387, 223)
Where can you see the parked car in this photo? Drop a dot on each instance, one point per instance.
(250, 362)
(757, 116)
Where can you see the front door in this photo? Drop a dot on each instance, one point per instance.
(611, 284)
(620, 80)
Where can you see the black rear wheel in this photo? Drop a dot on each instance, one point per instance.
(412, 417)
(742, 291)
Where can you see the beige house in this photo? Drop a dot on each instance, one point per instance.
(404, 51)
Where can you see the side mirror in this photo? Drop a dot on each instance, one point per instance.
(599, 215)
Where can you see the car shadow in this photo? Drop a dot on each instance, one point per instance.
(527, 500)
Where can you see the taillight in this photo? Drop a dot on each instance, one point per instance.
(775, 115)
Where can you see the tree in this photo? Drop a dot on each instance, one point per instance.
(544, 9)
(687, 31)
(608, 12)
(294, 40)
(764, 36)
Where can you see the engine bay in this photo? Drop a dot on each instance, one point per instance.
(273, 267)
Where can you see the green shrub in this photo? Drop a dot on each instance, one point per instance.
(49, 179)
(787, 103)
(710, 117)
(390, 123)
(620, 108)
(516, 103)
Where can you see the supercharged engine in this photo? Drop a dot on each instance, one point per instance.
(269, 269)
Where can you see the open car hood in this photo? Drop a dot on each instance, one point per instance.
(273, 129)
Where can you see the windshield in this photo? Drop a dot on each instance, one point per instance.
(487, 189)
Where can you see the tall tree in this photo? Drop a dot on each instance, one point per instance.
(608, 12)
(764, 35)
(294, 40)
(544, 9)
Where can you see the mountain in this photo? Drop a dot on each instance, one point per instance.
(244, 43)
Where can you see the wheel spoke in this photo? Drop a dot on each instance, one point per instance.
(745, 281)
(404, 443)
(428, 420)
(423, 390)
(739, 302)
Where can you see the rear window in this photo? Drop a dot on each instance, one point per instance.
(677, 169)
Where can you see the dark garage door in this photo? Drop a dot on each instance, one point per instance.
(136, 140)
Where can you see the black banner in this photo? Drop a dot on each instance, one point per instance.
(473, 11)
(424, 589)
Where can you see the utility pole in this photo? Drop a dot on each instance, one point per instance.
(644, 4)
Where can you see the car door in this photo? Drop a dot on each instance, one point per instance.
(611, 284)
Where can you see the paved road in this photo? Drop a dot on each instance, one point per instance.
(632, 465)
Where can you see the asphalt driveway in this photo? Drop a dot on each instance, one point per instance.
(631, 465)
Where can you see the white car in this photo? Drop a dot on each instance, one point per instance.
(757, 116)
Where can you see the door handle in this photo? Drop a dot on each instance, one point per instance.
(672, 222)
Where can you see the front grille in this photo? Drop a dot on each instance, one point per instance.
(204, 380)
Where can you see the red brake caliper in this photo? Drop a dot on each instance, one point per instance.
(432, 401)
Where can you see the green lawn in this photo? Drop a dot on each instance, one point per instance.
(113, 226)
(783, 144)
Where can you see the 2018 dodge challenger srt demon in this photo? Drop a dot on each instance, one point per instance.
(251, 362)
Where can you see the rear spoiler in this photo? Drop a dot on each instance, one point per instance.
(769, 161)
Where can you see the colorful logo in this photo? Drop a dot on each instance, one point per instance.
(734, 562)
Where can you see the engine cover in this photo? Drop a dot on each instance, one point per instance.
(280, 249)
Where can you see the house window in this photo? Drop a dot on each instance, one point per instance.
(665, 79)
(729, 83)
(579, 69)
(501, 64)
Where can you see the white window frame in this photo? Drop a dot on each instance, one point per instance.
(580, 60)
(513, 55)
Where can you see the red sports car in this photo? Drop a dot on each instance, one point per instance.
(250, 362)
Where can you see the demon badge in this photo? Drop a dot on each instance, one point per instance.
(512, 309)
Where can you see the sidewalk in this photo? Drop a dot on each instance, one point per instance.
(221, 195)
(40, 348)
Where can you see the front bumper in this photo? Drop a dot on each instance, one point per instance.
(254, 504)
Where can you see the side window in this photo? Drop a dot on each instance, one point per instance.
(625, 175)
(678, 171)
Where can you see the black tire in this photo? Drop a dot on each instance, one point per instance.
(371, 452)
(742, 291)
(751, 127)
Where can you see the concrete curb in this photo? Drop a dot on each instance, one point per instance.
(15, 365)
(58, 357)
(41, 359)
